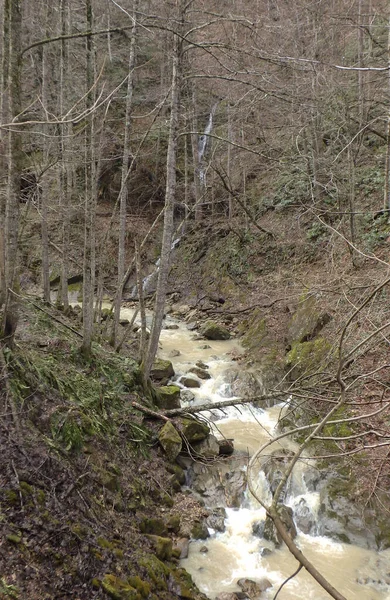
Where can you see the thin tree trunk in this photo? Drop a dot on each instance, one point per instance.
(46, 153)
(65, 175)
(4, 116)
(90, 200)
(386, 203)
(124, 182)
(170, 193)
(10, 316)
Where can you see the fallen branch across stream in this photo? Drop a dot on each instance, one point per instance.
(191, 410)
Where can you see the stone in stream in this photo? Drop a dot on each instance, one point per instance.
(183, 545)
(216, 519)
(208, 448)
(227, 596)
(253, 589)
(270, 532)
(174, 353)
(190, 382)
(226, 447)
(161, 369)
(187, 396)
(201, 373)
(214, 331)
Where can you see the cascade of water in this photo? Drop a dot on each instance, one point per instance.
(202, 144)
(150, 281)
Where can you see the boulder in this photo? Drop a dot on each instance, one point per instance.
(220, 483)
(168, 396)
(153, 526)
(174, 353)
(161, 369)
(183, 545)
(304, 518)
(270, 532)
(253, 589)
(243, 384)
(201, 373)
(207, 448)
(307, 321)
(170, 440)
(193, 430)
(187, 396)
(214, 331)
(227, 596)
(190, 382)
(192, 326)
(216, 519)
(226, 447)
(199, 531)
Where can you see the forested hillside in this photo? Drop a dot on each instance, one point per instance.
(225, 161)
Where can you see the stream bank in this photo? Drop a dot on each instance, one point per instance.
(238, 547)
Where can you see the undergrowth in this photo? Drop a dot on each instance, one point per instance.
(82, 398)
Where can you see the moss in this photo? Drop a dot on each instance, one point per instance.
(119, 589)
(193, 430)
(96, 583)
(156, 570)
(26, 489)
(142, 586)
(162, 546)
(174, 523)
(170, 440)
(14, 538)
(11, 497)
(106, 544)
(305, 357)
(168, 397)
(153, 526)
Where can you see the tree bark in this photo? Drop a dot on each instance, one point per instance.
(124, 181)
(10, 316)
(170, 194)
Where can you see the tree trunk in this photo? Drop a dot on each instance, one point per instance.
(124, 181)
(90, 199)
(9, 323)
(170, 193)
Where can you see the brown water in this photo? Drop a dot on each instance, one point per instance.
(358, 573)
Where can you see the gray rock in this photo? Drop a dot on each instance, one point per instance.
(192, 326)
(214, 331)
(183, 544)
(190, 382)
(187, 396)
(270, 532)
(201, 373)
(216, 520)
(208, 448)
(174, 353)
(227, 596)
(226, 447)
(253, 589)
(221, 483)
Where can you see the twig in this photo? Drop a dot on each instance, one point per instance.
(287, 580)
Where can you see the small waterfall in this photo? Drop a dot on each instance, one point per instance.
(150, 281)
(203, 143)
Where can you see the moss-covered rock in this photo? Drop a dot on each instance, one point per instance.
(170, 440)
(307, 321)
(119, 589)
(214, 331)
(161, 369)
(157, 572)
(162, 546)
(306, 357)
(193, 430)
(168, 396)
(199, 531)
(153, 526)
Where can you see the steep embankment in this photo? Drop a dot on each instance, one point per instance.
(87, 500)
